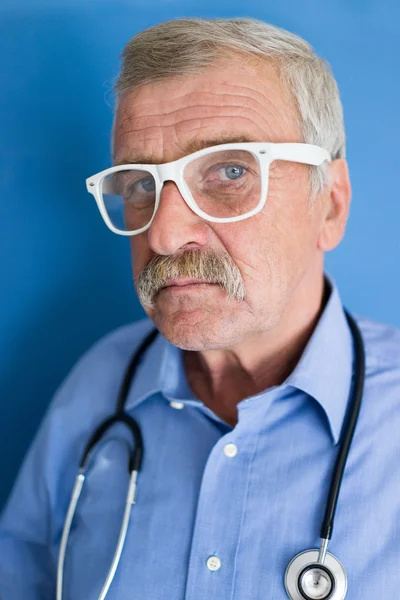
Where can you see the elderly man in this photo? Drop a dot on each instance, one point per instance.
(229, 177)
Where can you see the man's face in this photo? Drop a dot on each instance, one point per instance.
(273, 252)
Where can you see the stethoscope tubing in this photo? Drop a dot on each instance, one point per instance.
(136, 457)
(134, 466)
(348, 431)
(130, 499)
(76, 492)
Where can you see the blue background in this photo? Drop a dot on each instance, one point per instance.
(66, 278)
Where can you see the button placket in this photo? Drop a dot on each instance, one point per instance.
(220, 515)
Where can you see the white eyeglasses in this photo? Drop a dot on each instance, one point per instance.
(222, 184)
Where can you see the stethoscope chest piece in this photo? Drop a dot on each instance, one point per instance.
(307, 579)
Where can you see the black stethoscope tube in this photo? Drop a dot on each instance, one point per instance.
(130, 371)
(348, 432)
(120, 416)
(136, 454)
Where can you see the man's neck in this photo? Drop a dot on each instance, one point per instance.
(222, 378)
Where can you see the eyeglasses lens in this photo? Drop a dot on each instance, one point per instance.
(223, 184)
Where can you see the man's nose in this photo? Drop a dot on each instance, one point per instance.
(175, 225)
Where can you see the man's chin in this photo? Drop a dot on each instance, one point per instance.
(191, 330)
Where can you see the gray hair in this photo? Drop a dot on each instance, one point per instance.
(187, 46)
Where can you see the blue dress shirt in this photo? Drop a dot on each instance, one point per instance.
(220, 510)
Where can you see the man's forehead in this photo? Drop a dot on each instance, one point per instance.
(254, 101)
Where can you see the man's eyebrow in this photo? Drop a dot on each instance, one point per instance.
(193, 145)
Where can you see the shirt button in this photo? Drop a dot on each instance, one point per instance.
(213, 563)
(176, 404)
(230, 450)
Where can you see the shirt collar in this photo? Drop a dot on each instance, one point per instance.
(160, 371)
(324, 370)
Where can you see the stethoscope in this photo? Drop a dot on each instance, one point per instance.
(312, 574)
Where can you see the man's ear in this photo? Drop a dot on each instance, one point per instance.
(337, 197)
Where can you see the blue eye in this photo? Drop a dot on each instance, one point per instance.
(147, 183)
(234, 168)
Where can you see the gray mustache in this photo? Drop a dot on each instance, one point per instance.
(199, 264)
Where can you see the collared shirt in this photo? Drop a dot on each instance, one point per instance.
(220, 511)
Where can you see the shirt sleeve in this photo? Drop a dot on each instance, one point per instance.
(26, 569)
(31, 523)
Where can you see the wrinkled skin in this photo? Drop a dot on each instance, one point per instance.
(243, 347)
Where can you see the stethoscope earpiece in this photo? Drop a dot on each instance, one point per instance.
(308, 579)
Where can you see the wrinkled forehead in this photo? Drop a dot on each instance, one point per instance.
(158, 121)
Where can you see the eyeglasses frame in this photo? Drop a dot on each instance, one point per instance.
(264, 152)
